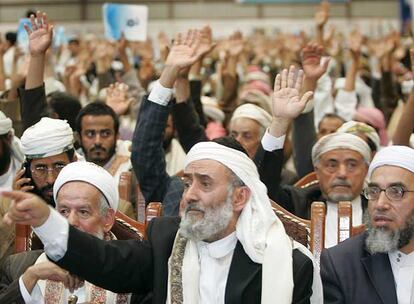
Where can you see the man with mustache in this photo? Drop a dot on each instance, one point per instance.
(98, 125)
(48, 147)
(341, 162)
(377, 266)
(87, 196)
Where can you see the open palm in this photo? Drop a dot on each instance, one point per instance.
(40, 35)
(183, 52)
(311, 61)
(286, 96)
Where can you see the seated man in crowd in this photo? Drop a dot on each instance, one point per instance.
(377, 267)
(227, 247)
(98, 125)
(11, 159)
(48, 147)
(11, 156)
(87, 196)
(341, 163)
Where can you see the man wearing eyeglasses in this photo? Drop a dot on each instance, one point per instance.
(48, 147)
(378, 266)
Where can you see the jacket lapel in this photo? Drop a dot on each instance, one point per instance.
(380, 273)
(242, 272)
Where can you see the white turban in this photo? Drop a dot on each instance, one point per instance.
(258, 229)
(336, 141)
(398, 156)
(92, 174)
(211, 108)
(5, 124)
(355, 127)
(254, 112)
(47, 138)
(6, 127)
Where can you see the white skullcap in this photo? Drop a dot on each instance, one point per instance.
(355, 127)
(211, 108)
(47, 138)
(254, 112)
(398, 156)
(92, 174)
(258, 229)
(336, 141)
(5, 124)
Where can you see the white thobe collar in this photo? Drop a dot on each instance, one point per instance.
(219, 248)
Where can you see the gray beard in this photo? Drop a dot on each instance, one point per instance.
(383, 240)
(215, 220)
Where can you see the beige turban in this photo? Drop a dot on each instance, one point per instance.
(211, 108)
(398, 156)
(337, 141)
(92, 174)
(355, 127)
(254, 112)
(47, 138)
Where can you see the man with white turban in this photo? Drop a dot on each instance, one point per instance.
(11, 159)
(48, 147)
(341, 162)
(377, 266)
(11, 156)
(87, 197)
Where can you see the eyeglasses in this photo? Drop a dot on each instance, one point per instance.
(41, 171)
(393, 193)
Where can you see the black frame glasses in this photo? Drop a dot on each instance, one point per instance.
(393, 193)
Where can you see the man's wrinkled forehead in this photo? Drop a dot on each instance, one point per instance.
(205, 167)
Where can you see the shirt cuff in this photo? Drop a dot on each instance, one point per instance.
(33, 298)
(271, 143)
(54, 234)
(160, 94)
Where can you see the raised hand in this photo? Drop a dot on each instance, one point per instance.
(311, 61)
(26, 209)
(286, 102)
(117, 98)
(206, 42)
(184, 50)
(355, 43)
(40, 35)
(322, 15)
(235, 44)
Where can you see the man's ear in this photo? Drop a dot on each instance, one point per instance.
(241, 196)
(108, 220)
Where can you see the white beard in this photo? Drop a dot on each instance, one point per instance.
(215, 220)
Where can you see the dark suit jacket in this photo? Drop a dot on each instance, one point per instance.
(350, 274)
(299, 200)
(14, 266)
(141, 267)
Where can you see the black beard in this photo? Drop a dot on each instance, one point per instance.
(5, 157)
(167, 142)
